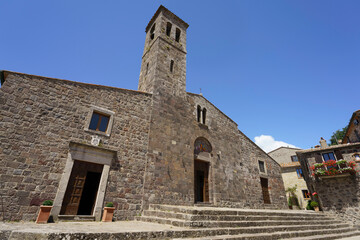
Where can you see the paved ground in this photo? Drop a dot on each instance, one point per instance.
(89, 227)
(92, 227)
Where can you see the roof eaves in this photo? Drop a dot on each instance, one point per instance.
(328, 148)
(160, 9)
(5, 72)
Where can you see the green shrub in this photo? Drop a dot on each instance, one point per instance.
(293, 201)
(308, 206)
(109, 204)
(47, 203)
(314, 204)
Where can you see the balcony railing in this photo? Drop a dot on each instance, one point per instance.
(334, 168)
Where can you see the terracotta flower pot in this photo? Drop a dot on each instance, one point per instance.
(108, 214)
(44, 214)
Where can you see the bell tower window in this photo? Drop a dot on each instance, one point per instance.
(177, 35)
(152, 30)
(171, 65)
(168, 29)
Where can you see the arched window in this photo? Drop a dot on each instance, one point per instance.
(168, 28)
(204, 115)
(177, 35)
(171, 65)
(202, 145)
(198, 113)
(152, 34)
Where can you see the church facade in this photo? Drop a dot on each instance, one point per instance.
(83, 145)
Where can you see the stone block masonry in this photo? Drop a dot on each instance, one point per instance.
(84, 145)
(41, 116)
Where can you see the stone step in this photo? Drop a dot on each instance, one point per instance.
(222, 224)
(331, 236)
(294, 235)
(248, 229)
(231, 211)
(185, 216)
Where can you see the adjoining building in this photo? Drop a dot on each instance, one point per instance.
(331, 172)
(352, 134)
(292, 173)
(83, 145)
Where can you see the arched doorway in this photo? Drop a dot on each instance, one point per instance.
(202, 159)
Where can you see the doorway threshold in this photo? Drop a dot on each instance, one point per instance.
(77, 218)
(203, 204)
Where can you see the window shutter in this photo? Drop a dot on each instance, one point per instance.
(318, 158)
(338, 155)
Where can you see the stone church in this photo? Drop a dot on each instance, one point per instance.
(83, 145)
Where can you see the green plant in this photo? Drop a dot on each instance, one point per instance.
(291, 190)
(341, 162)
(314, 204)
(293, 201)
(109, 204)
(47, 203)
(289, 202)
(318, 165)
(308, 206)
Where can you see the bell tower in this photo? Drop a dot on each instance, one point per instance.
(163, 66)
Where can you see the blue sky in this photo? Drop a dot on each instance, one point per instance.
(285, 69)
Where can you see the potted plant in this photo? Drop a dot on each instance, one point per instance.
(108, 212)
(315, 205)
(292, 199)
(44, 212)
(308, 206)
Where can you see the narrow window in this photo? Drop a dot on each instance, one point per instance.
(204, 115)
(171, 65)
(294, 158)
(147, 68)
(152, 35)
(306, 194)
(262, 166)
(198, 113)
(168, 28)
(299, 172)
(99, 122)
(177, 35)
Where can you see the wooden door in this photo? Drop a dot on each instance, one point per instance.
(201, 181)
(75, 188)
(75, 196)
(265, 190)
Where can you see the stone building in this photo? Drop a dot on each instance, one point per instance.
(352, 134)
(83, 145)
(336, 181)
(291, 172)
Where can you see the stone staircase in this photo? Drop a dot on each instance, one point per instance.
(202, 223)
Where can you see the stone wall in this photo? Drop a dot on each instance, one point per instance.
(234, 171)
(39, 117)
(339, 195)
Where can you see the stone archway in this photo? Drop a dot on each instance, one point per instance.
(202, 166)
